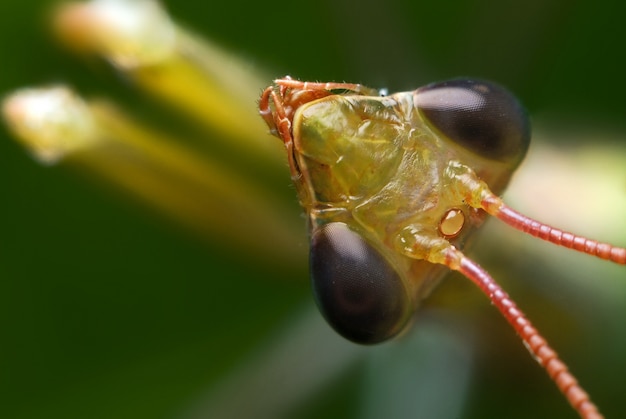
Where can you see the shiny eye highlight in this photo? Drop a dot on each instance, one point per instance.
(482, 117)
(357, 290)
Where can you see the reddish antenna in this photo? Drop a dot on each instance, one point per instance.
(532, 339)
(556, 236)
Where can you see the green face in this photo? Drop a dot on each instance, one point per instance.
(373, 169)
(351, 148)
(347, 147)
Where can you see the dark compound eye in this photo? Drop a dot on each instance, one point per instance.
(482, 117)
(359, 293)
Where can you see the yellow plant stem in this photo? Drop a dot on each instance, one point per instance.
(203, 194)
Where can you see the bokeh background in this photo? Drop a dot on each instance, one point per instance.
(109, 310)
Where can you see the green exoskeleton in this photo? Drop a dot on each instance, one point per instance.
(394, 186)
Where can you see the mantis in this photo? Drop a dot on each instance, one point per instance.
(219, 90)
(394, 186)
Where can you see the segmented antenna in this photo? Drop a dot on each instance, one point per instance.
(536, 344)
(559, 237)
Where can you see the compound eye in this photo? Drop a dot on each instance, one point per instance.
(480, 116)
(359, 293)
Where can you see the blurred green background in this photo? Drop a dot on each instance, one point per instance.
(110, 311)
